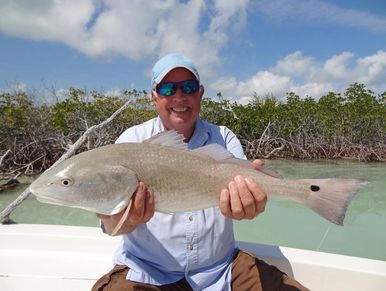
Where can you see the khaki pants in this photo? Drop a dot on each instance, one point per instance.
(248, 274)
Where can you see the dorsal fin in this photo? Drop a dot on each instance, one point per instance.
(269, 172)
(169, 138)
(220, 154)
(214, 151)
(172, 138)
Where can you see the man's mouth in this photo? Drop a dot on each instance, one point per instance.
(179, 109)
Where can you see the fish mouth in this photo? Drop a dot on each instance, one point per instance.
(51, 200)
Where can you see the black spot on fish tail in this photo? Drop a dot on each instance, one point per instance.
(315, 188)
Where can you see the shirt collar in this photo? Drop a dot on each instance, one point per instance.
(159, 126)
(200, 135)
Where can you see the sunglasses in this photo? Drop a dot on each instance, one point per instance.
(170, 88)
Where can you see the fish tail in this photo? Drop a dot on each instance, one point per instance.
(331, 197)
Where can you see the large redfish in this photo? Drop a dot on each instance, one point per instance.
(102, 180)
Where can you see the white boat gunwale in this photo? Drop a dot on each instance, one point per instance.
(74, 257)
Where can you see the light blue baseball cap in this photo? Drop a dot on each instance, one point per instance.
(170, 62)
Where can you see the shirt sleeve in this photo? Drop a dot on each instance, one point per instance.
(140, 132)
(233, 144)
(129, 135)
(137, 133)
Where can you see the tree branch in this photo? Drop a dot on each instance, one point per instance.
(4, 215)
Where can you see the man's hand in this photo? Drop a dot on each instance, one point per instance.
(142, 208)
(243, 199)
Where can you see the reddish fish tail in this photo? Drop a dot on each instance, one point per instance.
(331, 197)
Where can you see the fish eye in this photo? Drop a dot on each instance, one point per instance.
(66, 182)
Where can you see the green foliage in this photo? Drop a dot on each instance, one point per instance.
(76, 113)
(19, 118)
(331, 116)
(219, 112)
(357, 119)
(35, 136)
(365, 114)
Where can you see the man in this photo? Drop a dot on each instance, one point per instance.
(194, 250)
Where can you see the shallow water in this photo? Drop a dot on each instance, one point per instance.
(283, 223)
(32, 211)
(287, 224)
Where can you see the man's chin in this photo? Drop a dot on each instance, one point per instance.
(180, 117)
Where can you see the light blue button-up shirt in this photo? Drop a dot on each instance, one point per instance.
(197, 245)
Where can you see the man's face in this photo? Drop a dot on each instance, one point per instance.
(179, 111)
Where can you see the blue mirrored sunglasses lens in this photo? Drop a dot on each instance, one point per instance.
(167, 89)
(187, 87)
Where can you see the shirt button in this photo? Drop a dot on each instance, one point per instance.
(190, 218)
(190, 247)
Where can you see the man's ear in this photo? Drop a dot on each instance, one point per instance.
(153, 97)
(202, 91)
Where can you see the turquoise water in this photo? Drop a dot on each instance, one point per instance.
(32, 211)
(287, 224)
(283, 223)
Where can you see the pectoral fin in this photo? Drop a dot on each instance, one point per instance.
(122, 220)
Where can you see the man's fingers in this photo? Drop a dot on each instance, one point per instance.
(138, 205)
(225, 203)
(236, 205)
(258, 164)
(246, 198)
(259, 196)
(149, 206)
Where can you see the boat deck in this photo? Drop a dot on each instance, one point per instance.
(40, 257)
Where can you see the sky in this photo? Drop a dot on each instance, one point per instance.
(241, 47)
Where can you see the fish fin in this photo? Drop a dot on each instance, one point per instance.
(122, 220)
(221, 154)
(118, 208)
(216, 152)
(331, 197)
(165, 212)
(169, 138)
(269, 172)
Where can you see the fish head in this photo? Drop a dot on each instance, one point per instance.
(98, 187)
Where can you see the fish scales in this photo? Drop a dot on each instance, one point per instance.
(180, 180)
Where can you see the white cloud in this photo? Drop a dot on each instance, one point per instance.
(372, 69)
(221, 12)
(225, 84)
(312, 89)
(135, 29)
(45, 20)
(337, 66)
(263, 83)
(296, 64)
(307, 77)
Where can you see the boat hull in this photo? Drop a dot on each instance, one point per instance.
(38, 257)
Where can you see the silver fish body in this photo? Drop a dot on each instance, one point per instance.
(102, 180)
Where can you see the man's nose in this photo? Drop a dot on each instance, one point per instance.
(179, 92)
